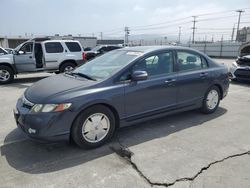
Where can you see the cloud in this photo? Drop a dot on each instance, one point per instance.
(138, 8)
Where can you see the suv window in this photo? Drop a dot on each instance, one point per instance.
(73, 46)
(53, 47)
(27, 48)
(190, 61)
(158, 64)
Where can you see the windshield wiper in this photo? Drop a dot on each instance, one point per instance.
(82, 75)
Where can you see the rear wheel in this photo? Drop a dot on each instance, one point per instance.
(67, 67)
(6, 74)
(211, 100)
(93, 127)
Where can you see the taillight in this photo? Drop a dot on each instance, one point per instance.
(84, 56)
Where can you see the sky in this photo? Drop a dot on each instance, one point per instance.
(90, 17)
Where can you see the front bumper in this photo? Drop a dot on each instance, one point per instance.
(240, 73)
(44, 127)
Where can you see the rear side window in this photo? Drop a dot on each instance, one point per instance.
(73, 46)
(53, 47)
(190, 61)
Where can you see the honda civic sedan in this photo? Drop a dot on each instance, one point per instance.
(122, 87)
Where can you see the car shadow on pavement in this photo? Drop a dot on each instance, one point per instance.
(34, 158)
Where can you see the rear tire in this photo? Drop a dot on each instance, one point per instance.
(93, 127)
(67, 67)
(211, 100)
(6, 74)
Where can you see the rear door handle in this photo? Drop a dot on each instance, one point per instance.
(30, 57)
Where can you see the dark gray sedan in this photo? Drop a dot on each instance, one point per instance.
(122, 87)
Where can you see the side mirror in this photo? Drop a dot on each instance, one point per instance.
(139, 75)
(20, 52)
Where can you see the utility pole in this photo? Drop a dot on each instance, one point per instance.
(232, 37)
(179, 38)
(126, 29)
(238, 25)
(194, 23)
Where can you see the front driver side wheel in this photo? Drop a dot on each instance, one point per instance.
(93, 127)
(211, 100)
(6, 74)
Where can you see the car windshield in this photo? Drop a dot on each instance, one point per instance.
(106, 65)
(96, 48)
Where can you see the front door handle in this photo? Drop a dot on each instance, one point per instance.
(203, 74)
(170, 82)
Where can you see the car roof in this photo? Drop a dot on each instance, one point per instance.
(147, 49)
(60, 41)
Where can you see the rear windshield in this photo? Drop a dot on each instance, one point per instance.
(73, 46)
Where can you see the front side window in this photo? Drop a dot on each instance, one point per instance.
(53, 47)
(2, 51)
(158, 64)
(189, 61)
(27, 48)
(73, 46)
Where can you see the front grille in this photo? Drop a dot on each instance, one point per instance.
(242, 73)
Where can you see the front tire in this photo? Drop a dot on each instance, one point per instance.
(93, 127)
(211, 100)
(6, 74)
(67, 67)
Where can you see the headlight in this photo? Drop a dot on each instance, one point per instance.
(50, 107)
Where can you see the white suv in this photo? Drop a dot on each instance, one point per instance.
(41, 55)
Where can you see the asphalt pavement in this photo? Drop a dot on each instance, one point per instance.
(188, 149)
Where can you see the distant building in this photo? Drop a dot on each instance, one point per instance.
(13, 42)
(243, 35)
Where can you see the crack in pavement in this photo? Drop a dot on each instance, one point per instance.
(126, 154)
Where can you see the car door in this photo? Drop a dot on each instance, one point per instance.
(53, 53)
(156, 94)
(193, 77)
(25, 59)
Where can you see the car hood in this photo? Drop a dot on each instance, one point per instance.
(6, 57)
(46, 89)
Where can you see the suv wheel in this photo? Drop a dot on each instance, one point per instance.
(93, 127)
(211, 100)
(67, 67)
(6, 74)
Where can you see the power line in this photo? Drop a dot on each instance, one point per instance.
(155, 28)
